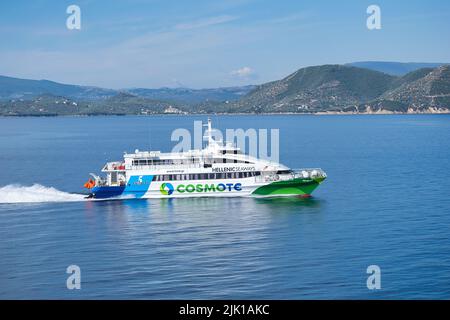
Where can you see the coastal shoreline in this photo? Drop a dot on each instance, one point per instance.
(324, 113)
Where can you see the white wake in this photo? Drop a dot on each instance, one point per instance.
(14, 193)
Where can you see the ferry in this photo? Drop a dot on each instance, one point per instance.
(218, 170)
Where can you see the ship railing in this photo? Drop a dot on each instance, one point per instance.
(308, 173)
(114, 166)
(169, 166)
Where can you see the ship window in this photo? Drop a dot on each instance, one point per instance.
(284, 171)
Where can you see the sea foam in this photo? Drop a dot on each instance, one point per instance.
(15, 193)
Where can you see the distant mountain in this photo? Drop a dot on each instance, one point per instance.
(394, 68)
(190, 96)
(15, 88)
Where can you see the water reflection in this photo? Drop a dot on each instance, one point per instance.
(289, 202)
(196, 205)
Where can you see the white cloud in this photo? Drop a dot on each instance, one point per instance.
(243, 72)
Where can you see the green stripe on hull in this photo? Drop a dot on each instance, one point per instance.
(289, 187)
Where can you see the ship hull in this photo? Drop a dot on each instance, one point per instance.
(188, 189)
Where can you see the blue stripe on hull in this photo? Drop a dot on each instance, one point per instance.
(138, 185)
(104, 192)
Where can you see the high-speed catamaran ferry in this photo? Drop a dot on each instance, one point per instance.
(218, 170)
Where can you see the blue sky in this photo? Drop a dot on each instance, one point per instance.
(210, 43)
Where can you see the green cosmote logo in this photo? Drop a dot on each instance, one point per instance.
(166, 189)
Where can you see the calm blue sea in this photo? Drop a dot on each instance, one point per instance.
(386, 202)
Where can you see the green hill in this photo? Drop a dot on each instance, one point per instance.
(315, 89)
(424, 91)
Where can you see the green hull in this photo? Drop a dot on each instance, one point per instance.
(298, 186)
